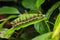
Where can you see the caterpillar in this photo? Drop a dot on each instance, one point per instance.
(24, 18)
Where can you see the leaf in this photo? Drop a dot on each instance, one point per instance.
(56, 32)
(39, 3)
(8, 33)
(57, 21)
(30, 4)
(2, 32)
(45, 36)
(8, 10)
(1, 25)
(41, 27)
(51, 10)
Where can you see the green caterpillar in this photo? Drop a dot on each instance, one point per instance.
(24, 18)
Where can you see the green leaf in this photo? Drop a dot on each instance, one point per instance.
(45, 36)
(56, 32)
(57, 21)
(39, 3)
(1, 25)
(30, 4)
(41, 27)
(51, 10)
(8, 33)
(8, 10)
(2, 32)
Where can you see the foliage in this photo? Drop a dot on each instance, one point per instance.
(56, 32)
(8, 10)
(35, 4)
(33, 17)
(45, 36)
